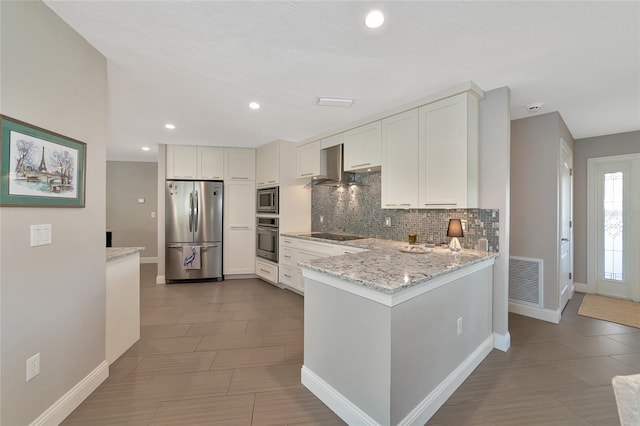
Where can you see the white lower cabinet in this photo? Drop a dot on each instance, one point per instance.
(294, 250)
(267, 271)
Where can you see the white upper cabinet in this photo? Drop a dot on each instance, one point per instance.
(400, 161)
(268, 165)
(194, 162)
(449, 153)
(311, 161)
(181, 162)
(210, 163)
(362, 147)
(332, 141)
(239, 164)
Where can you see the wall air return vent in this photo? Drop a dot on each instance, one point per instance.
(525, 280)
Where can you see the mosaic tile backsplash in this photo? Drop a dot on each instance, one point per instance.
(356, 210)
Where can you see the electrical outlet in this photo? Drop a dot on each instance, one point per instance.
(33, 366)
(459, 326)
(321, 219)
(387, 221)
(464, 225)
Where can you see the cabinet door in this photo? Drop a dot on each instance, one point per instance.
(362, 147)
(239, 204)
(239, 164)
(400, 163)
(268, 165)
(239, 228)
(181, 162)
(443, 153)
(310, 161)
(239, 251)
(210, 163)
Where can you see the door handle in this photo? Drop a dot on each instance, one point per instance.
(195, 225)
(565, 240)
(190, 211)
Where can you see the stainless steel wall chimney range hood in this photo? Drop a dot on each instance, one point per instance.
(336, 176)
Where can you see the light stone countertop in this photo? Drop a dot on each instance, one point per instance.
(385, 268)
(116, 252)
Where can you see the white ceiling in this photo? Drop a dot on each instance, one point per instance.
(198, 64)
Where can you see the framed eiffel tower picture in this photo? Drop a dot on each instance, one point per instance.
(39, 168)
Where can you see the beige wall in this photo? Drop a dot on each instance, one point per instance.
(494, 153)
(601, 146)
(535, 177)
(52, 297)
(131, 222)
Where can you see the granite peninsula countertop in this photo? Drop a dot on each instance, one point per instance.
(116, 252)
(387, 269)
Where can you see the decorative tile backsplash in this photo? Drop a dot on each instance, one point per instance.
(356, 210)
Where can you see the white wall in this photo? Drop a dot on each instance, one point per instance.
(52, 297)
(494, 153)
(600, 146)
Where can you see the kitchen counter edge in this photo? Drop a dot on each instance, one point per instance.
(117, 252)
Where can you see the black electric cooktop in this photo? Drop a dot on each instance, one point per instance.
(334, 237)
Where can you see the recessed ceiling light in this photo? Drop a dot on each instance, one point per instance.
(254, 105)
(170, 126)
(336, 102)
(374, 19)
(146, 148)
(534, 107)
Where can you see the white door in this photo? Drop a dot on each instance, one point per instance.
(566, 225)
(616, 227)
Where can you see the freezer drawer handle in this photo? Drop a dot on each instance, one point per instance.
(265, 271)
(203, 247)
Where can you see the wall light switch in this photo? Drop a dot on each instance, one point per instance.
(387, 221)
(40, 235)
(153, 215)
(140, 200)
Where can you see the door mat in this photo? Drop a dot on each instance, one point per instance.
(619, 311)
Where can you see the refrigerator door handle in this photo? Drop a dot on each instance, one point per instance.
(190, 211)
(195, 225)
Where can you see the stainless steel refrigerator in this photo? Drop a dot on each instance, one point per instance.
(193, 230)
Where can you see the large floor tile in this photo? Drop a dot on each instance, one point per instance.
(175, 363)
(221, 410)
(293, 405)
(173, 387)
(247, 357)
(264, 378)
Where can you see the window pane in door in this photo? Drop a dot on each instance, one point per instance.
(613, 226)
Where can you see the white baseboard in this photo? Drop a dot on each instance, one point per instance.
(148, 260)
(345, 409)
(160, 279)
(535, 312)
(580, 287)
(421, 413)
(502, 342)
(56, 413)
(240, 276)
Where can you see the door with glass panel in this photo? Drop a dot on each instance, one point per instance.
(617, 228)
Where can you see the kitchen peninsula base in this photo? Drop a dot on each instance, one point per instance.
(382, 359)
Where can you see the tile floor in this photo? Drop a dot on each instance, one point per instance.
(230, 353)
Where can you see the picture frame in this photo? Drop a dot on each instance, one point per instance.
(40, 168)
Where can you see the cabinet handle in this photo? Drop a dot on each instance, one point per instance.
(441, 204)
(239, 177)
(360, 165)
(288, 257)
(287, 275)
(286, 241)
(391, 205)
(565, 240)
(307, 174)
(239, 227)
(272, 181)
(265, 271)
